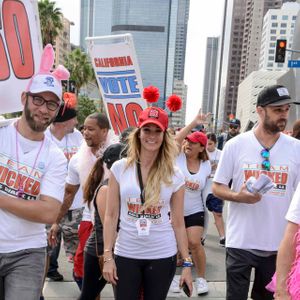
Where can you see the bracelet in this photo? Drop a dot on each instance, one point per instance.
(187, 264)
(107, 259)
(107, 250)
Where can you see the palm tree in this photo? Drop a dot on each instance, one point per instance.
(80, 68)
(50, 20)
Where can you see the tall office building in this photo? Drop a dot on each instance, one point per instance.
(210, 74)
(278, 24)
(62, 44)
(243, 35)
(158, 29)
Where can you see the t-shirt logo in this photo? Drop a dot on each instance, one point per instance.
(49, 81)
(153, 113)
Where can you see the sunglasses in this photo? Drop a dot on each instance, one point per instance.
(39, 101)
(233, 126)
(265, 154)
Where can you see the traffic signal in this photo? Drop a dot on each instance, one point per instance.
(280, 51)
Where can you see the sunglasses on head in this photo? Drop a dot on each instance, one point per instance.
(233, 126)
(265, 154)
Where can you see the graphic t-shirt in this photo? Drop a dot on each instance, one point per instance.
(261, 225)
(16, 169)
(293, 214)
(194, 185)
(161, 242)
(70, 145)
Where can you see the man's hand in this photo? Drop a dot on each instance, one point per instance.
(52, 236)
(244, 196)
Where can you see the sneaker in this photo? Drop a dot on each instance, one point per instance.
(175, 288)
(55, 276)
(222, 242)
(201, 286)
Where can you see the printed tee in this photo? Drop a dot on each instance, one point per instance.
(261, 225)
(161, 242)
(46, 178)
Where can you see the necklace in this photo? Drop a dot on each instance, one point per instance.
(20, 191)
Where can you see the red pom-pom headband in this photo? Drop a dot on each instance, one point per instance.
(151, 95)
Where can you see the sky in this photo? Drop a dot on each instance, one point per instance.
(205, 20)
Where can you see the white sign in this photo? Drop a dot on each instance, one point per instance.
(119, 79)
(20, 50)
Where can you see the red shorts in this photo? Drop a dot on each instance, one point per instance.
(84, 231)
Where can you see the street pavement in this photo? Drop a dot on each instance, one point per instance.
(215, 275)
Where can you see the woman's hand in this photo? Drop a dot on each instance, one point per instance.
(186, 276)
(202, 119)
(110, 271)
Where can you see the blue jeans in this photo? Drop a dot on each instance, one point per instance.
(22, 274)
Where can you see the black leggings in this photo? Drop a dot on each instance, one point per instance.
(155, 275)
(93, 282)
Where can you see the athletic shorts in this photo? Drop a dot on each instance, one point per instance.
(214, 204)
(196, 219)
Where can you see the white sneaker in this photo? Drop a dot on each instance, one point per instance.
(201, 286)
(174, 288)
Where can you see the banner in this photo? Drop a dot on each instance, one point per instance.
(20, 50)
(119, 79)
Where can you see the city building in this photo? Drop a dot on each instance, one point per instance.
(159, 33)
(210, 74)
(177, 119)
(62, 46)
(278, 24)
(241, 42)
(248, 91)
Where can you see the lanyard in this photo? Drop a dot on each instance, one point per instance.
(142, 195)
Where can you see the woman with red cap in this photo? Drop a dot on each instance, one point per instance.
(193, 161)
(143, 188)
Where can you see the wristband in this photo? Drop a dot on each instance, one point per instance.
(107, 250)
(187, 262)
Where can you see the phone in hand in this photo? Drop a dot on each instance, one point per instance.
(186, 289)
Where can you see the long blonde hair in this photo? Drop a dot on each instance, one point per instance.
(161, 171)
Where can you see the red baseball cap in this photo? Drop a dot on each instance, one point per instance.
(198, 137)
(154, 115)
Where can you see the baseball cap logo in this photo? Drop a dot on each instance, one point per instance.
(49, 81)
(282, 91)
(153, 113)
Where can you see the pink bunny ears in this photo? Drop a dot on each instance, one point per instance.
(45, 80)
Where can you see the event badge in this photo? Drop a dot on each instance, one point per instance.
(143, 226)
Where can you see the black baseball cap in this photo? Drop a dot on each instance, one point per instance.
(274, 95)
(112, 154)
(235, 122)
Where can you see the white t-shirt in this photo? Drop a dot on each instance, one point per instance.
(194, 185)
(293, 214)
(161, 242)
(70, 145)
(214, 158)
(259, 226)
(74, 179)
(46, 178)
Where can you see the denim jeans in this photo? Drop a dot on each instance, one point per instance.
(22, 274)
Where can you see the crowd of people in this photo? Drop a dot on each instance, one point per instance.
(128, 208)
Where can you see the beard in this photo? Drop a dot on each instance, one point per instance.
(34, 125)
(274, 127)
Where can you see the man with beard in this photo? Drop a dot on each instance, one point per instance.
(97, 138)
(32, 173)
(234, 130)
(64, 134)
(255, 223)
